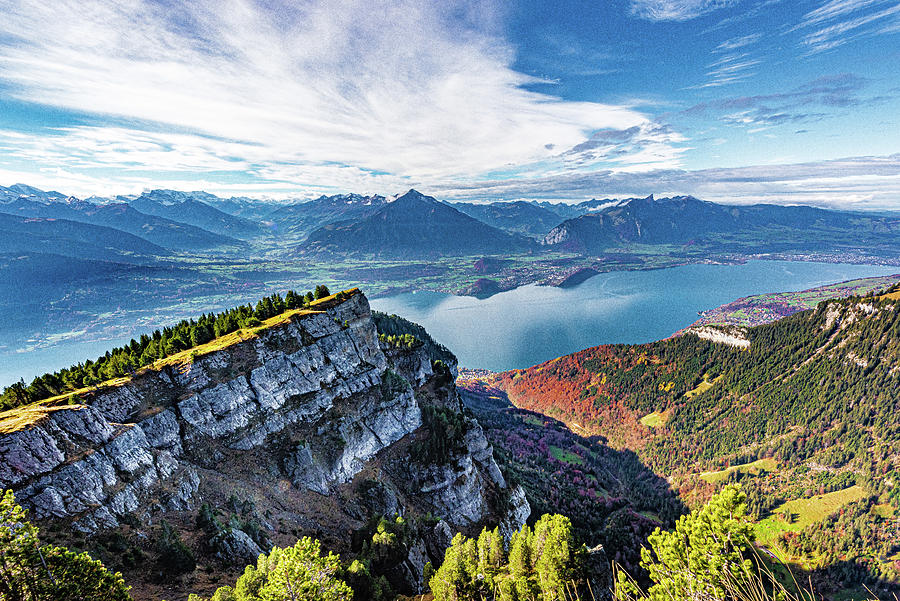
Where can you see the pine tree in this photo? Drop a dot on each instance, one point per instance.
(30, 571)
(707, 547)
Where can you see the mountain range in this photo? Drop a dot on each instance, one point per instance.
(684, 220)
(20, 235)
(300, 219)
(415, 225)
(169, 234)
(190, 208)
(519, 217)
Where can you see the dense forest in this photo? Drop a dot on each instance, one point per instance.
(148, 348)
(809, 409)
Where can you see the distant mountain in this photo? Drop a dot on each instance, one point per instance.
(568, 211)
(518, 217)
(190, 208)
(415, 225)
(24, 235)
(254, 209)
(121, 216)
(39, 276)
(685, 219)
(22, 191)
(300, 219)
(646, 220)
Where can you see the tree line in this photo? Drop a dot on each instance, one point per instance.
(148, 348)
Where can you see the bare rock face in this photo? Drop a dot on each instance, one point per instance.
(735, 336)
(294, 418)
(235, 547)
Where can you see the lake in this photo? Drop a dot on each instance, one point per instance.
(532, 324)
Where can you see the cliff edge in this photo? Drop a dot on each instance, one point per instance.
(313, 423)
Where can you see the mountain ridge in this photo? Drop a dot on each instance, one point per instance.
(167, 233)
(74, 238)
(316, 407)
(682, 220)
(187, 208)
(414, 225)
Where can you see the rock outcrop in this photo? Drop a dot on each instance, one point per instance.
(311, 420)
(735, 336)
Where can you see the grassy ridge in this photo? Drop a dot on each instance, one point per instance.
(18, 418)
(753, 468)
(805, 420)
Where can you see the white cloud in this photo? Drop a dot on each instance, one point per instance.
(837, 22)
(837, 8)
(739, 42)
(849, 183)
(676, 10)
(415, 90)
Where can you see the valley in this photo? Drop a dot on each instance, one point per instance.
(623, 438)
(127, 263)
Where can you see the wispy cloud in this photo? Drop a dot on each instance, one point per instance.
(837, 22)
(415, 90)
(829, 92)
(849, 183)
(676, 10)
(739, 42)
(730, 69)
(735, 62)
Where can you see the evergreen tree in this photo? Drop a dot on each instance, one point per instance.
(706, 551)
(298, 573)
(30, 571)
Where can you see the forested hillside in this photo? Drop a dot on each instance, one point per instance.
(610, 496)
(805, 417)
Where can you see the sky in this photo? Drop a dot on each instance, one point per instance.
(786, 101)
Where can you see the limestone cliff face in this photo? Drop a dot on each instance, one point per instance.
(312, 420)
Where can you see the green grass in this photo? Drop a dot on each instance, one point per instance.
(532, 420)
(566, 456)
(806, 512)
(654, 420)
(702, 387)
(754, 468)
(16, 419)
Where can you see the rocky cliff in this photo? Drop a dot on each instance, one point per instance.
(311, 423)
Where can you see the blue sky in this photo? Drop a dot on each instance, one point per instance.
(791, 101)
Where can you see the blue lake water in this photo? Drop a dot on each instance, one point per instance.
(532, 324)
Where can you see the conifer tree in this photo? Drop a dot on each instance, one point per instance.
(30, 571)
